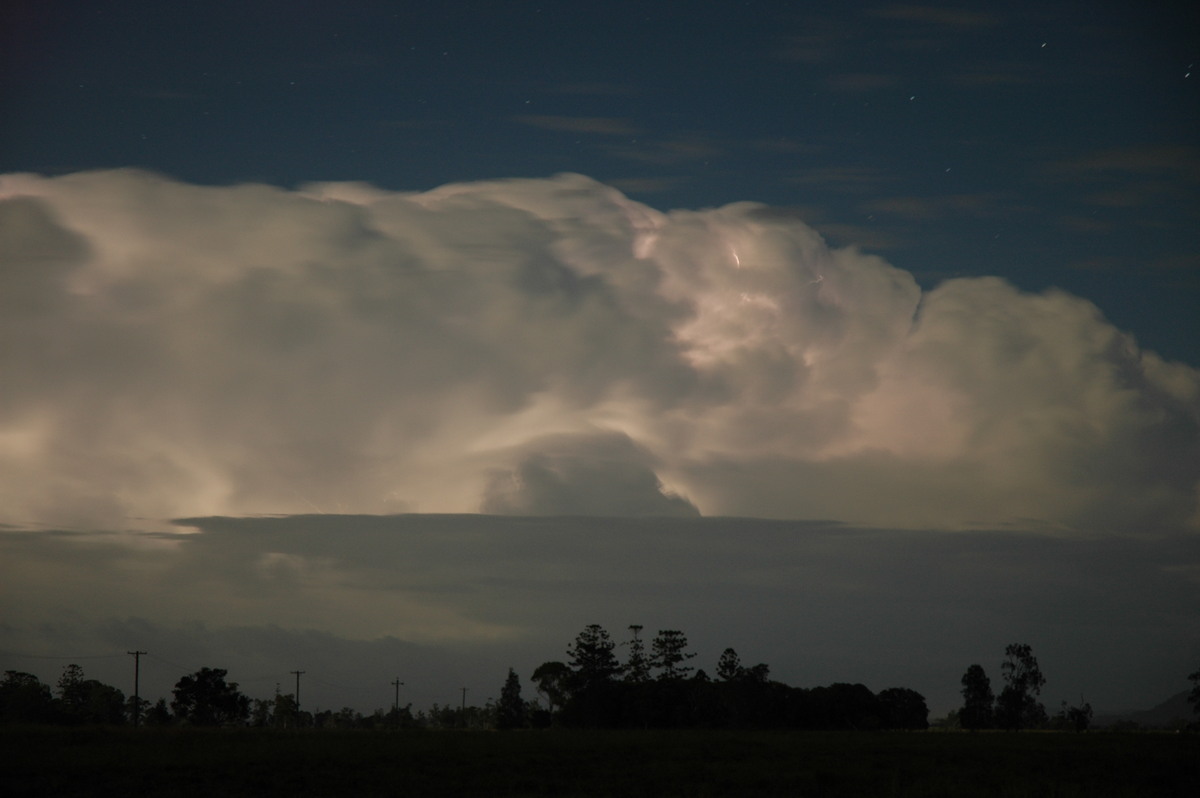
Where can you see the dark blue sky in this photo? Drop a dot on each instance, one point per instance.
(1054, 144)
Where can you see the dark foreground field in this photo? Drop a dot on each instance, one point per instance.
(76, 762)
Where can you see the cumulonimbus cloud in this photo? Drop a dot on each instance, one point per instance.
(546, 346)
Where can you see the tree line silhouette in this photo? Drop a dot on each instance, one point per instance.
(650, 689)
(659, 689)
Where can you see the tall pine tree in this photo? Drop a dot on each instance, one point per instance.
(510, 712)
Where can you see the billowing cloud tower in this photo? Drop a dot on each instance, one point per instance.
(546, 347)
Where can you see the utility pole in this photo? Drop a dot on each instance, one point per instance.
(297, 695)
(137, 699)
(395, 706)
(398, 684)
(464, 707)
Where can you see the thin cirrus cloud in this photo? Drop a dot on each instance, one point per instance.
(546, 346)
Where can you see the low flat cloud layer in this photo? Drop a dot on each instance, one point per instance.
(444, 602)
(543, 347)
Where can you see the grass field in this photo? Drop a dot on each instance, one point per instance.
(179, 762)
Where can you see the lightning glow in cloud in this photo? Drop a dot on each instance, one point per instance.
(545, 346)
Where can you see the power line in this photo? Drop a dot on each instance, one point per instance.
(70, 658)
(172, 663)
(321, 681)
(256, 679)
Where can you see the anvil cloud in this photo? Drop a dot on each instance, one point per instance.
(546, 346)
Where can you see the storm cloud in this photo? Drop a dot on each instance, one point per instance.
(546, 346)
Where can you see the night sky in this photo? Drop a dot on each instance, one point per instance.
(812, 281)
(1054, 143)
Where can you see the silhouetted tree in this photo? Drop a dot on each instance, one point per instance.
(742, 697)
(24, 699)
(205, 699)
(757, 673)
(445, 717)
(1194, 696)
(552, 679)
(978, 699)
(592, 658)
(950, 721)
(592, 695)
(260, 712)
(841, 706)
(70, 691)
(83, 700)
(348, 718)
(901, 708)
(285, 712)
(1075, 717)
(1017, 707)
(637, 669)
(460, 717)
(395, 718)
(729, 667)
(136, 707)
(510, 712)
(159, 714)
(102, 703)
(668, 652)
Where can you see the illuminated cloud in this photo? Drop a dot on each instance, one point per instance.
(542, 347)
(593, 475)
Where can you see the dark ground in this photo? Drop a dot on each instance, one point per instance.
(181, 762)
